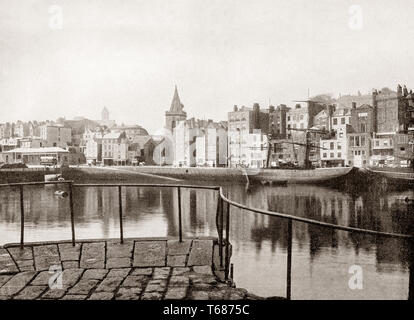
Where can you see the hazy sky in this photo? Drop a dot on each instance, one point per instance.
(128, 55)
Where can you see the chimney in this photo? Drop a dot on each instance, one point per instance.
(405, 91)
(353, 105)
(271, 109)
(235, 108)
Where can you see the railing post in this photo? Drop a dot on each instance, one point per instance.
(72, 217)
(180, 228)
(226, 271)
(221, 230)
(411, 269)
(289, 261)
(21, 217)
(121, 228)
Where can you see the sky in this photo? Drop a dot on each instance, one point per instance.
(128, 55)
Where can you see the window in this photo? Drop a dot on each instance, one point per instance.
(342, 120)
(363, 127)
(351, 141)
(339, 146)
(362, 141)
(377, 143)
(335, 121)
(339, 154)
(331, 146)
(357, 141)
(324, 155)
(332, 155)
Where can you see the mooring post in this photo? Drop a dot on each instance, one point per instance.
(72, 217)
(21, 217)
(121, 228)
(289, 261)
(180, 228)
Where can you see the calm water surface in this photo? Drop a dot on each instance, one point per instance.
(321, 257)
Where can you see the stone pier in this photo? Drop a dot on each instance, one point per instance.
(138, 269)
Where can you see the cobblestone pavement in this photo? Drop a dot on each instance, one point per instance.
(105, 270)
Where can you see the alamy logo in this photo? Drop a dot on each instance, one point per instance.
(56, 17)
(355, 21)
(355, 282)
(55, 281)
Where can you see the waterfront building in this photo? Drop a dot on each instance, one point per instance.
(9, 144)
(32, 156)
(393, 109)
(211, 145)
(141, 149)
(115, 148)
(363, 123)
(241, 123)
(55, 135)
(334, 151)
(92, 145)
(382, 149)
(403, 149)
(255, 153)
(176, 112)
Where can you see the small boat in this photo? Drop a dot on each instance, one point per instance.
(61, 193)
(54, 177)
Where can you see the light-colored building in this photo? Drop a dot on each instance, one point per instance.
(211, 145)
(115, 148)
(33, 155)
(56, 135)
(31, 142)
(185, 133)
(334, 151)
(92, 150)
(256, 149)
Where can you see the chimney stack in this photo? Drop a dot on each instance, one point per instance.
(353, 105)
(235, 108)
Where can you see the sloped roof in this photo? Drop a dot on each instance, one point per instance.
(141, 140)
(176, 105)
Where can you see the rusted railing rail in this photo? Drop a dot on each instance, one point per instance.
(223, 221)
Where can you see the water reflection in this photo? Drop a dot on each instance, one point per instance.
(321, 257)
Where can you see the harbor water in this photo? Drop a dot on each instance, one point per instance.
(323, 259)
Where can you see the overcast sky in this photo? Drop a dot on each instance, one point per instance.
(127, 55)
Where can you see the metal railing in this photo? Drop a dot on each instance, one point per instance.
(222, 221)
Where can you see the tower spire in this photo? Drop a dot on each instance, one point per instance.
(176, 105)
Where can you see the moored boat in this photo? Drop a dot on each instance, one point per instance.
(317, 175)
(395, 174)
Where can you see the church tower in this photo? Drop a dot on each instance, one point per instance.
(105, 114)
(175, 113)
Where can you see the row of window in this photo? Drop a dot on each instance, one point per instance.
(332, 155)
